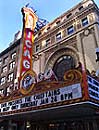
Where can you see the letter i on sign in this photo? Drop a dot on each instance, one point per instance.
(29, 35)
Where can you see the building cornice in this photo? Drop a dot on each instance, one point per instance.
(88, 9)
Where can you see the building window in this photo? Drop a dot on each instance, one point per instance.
(4, 69)
(48, 28)
(97, 54)
(37, 48)
(58, 22)
(3, 80)
(84, 21)
(48, 41)
(70, 30)
(69, 15)
(1, 93)
(10, 77)
(39, 33)
(0, 62)
(63, 64)
(58, 36)
(5, 60)
(13, 55)
(12, 65)
(80, 8)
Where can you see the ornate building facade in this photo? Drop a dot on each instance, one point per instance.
(70, 34)
(66, 62)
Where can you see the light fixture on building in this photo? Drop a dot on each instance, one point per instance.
(28, 125)
(51, 125)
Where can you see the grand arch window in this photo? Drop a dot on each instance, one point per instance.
(63, 64)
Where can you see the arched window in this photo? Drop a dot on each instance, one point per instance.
(63, 64)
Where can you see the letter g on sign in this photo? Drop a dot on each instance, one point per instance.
(26, 64)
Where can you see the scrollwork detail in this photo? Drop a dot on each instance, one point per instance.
(73, 75)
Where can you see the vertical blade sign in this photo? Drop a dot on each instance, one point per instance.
(27, 75)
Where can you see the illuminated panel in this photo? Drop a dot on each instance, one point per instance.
(30, 18)
(29, 23)
(27, 51)
(27, 75)
(93, 87)
(41, 100)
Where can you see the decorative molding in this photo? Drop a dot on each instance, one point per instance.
(69, 50)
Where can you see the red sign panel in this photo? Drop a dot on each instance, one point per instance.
(26, 72)
(26, 61)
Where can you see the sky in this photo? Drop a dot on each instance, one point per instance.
(11, 17)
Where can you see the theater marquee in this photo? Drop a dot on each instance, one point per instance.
(43, 99)
(48, 93)
(41, 91)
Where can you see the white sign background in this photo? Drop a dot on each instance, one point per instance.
(53, 96)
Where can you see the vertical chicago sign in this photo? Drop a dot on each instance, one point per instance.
(27, 75)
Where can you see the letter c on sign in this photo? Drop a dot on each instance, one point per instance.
(26, 64)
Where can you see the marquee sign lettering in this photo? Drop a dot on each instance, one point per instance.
(48, 75)
(27, 82)
(26, 72)
(27, 51)
(93, 87)
(50, 97)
